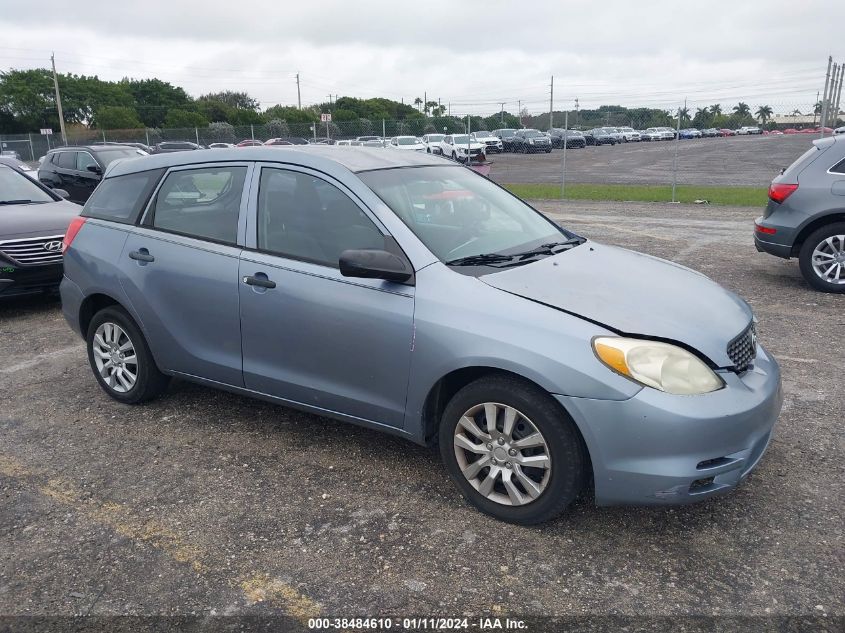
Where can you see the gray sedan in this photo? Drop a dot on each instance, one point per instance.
(405, 293)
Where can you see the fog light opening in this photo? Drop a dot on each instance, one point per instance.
(700, 484)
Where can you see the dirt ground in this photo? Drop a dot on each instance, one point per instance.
(204, 503)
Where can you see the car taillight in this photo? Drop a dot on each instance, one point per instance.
(71, 232)
(781, 191)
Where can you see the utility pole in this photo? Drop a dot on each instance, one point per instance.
(298, 95)
(503, 112)
(826, 95)
(58, 99)
(814, 108)
(838, 98)
(425, 102)
(449, 107)
(675, 157)
(519, 111)
(552, 104)
(576, 111)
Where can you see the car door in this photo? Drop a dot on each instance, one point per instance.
(180, 270)
(86, 179)
(309, 334)
(64, 172)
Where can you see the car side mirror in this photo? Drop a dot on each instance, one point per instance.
(374, 264)
(61, 193)
(94, 169)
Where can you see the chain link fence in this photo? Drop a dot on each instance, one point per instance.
(618, 150)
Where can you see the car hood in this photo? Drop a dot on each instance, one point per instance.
(473, 145)
(633, 294)
(19, 221)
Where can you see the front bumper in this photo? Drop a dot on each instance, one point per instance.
(21, 280)
(656, 448)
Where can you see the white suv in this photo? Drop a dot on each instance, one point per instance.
(749, 129)
(491, 143)
(629, 134)
(458, 146)
(432, 142)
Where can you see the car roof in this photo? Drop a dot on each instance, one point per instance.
(321, 157)
(91, 148)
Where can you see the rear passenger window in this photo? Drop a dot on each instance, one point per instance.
(839, 168)
(304, 217)
(201, 203)
(121, 199)
(67, 160)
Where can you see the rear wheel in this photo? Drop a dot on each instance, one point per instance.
(512, 451)
(822, 258)
(121, 359)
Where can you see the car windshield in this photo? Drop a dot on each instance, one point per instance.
(532, 133)
(434, 138)
(458, 214)
(110, 155)
(506, 133)
(460, 138)
(406, 140)
(17, 188)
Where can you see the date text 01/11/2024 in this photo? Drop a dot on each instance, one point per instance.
(421, 624)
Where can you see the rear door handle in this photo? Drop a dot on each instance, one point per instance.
(261, 282)
(142, 255)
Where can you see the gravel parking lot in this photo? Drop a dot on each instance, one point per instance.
(208, 503)
(736, 160)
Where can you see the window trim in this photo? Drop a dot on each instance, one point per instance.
(252, 227)
(147, 215)
(132, 219)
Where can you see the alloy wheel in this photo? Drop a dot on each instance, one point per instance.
(828, 259)
(502, 454)
(115, 358)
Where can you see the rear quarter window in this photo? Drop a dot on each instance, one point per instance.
(838, 168)
(122, 198)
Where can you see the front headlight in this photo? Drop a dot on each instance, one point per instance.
(659, 365)
(461, 150)
(531, 140)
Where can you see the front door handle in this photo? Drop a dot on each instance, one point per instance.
(261, 282)
(142, 255)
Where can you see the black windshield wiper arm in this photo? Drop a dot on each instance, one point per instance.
(549, 249)
(16, 201)
(480, 260)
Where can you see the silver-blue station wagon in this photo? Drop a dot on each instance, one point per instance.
(406, 293)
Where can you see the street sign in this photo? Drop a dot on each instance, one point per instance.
(325, 118)
(46, 131)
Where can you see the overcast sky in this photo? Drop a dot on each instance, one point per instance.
(472, 53)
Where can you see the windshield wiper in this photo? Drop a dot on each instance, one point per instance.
(480, 260)
(550, 249)
(17, 201)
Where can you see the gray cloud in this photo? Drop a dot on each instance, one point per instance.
(470, 53)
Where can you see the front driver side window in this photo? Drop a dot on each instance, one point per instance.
(304, 217)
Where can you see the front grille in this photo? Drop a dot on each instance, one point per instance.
(489, 143)
(35, 251)
(743, 349)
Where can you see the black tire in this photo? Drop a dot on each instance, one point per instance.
(806, 254)
(150, 382)
(549, 151)
(565, 447)
(454, 156)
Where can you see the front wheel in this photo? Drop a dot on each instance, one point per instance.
(121, 359)
(512, 451)
(822, 258)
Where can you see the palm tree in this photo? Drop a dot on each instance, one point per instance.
(763, 113)
(742, 109)
(418, 102)
(684, 114)
(716, 109)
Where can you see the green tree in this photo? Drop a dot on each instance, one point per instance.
(222, 132)
(742, 109)
(27, 100)
(291, 114)
(116, 118)
(418, 103)
(277, 128)
(184, 118)
(155, 98)
(232, 99)
(212, 109)
(716, 109)
(764, 113)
